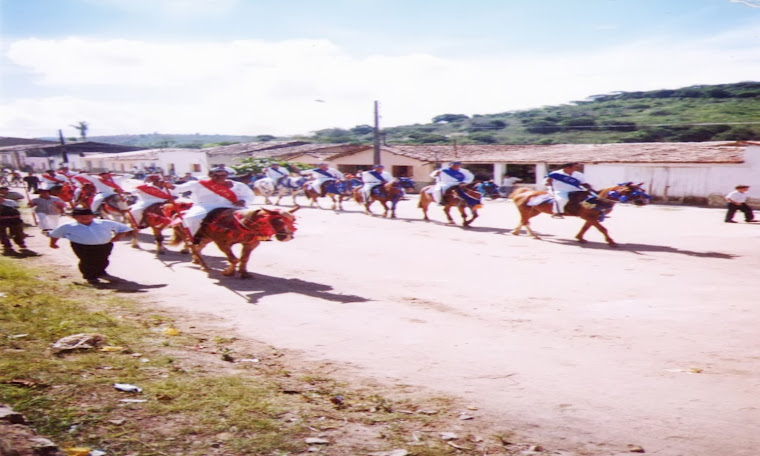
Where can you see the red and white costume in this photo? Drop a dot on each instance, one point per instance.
(148, 195)
(207, 195)
(104, 186)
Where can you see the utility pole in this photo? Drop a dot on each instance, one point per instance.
(376, 157)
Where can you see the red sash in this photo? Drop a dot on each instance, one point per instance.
(108, 181)
(220, 189)
(82, 180)
(152, 190)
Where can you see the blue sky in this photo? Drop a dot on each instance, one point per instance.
(258, 67)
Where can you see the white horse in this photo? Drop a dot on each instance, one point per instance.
(266, 187)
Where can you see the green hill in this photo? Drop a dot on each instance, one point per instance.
(696, 113)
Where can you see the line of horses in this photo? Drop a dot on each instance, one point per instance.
(249, 227)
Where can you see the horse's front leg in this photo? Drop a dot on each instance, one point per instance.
(367, 203)
(133, 243)
(158, 237)
(599, 227)
(197, 253)
(447, 211)
(474, 216)
(245, 255)
(226, 248)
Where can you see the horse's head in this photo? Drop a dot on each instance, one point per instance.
(629, 192)
(489, 189)
(405, 182)
(268, 222)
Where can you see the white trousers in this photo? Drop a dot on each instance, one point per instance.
(47, 221)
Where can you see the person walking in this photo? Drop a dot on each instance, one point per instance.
(92, 242)
(11, 227)
(737, 201)
(48, 209)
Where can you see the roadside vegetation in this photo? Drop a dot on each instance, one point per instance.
(202, 392)
(723, 112)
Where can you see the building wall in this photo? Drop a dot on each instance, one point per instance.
(190, 161)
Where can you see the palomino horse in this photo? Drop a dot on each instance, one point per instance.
(159, 216)
(592, 210)
(336, 190)
(227, 227)
(266, 187)
(389, 192)
(461, 196)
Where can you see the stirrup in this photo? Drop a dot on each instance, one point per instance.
(559, 215)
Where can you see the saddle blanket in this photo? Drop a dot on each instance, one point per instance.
(540, 199)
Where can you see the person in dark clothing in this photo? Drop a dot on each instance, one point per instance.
(11, 226)
(32, 182)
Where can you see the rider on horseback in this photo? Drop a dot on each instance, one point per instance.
(105, 185)
(374, 180)
(448, 177)
(323, 174)
(213, 193)
(276, 173)
(569, 188)
(148, 194)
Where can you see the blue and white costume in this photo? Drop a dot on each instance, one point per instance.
(372, 179)
(561, 184)
(445, 178)
(323, 175)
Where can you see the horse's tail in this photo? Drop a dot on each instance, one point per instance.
(519, 191)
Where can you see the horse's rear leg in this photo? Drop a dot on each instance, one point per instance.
(233, 260)
(158, 237)
(468, 222)
(133, 243)
(446, 210)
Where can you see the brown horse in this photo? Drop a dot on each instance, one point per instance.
(227, 227)
(390, 192)
(592, 211)
(159, 216)
(336, 190)
(461, 196)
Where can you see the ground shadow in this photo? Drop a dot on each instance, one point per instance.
(119, 285)
(261, 286)
(641, 249)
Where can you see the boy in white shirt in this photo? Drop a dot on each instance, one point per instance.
(737, 201)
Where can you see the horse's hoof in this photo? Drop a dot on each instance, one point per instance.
(135, 246)
(161, 252)
(228, 274)
(612, 244)
(184, 251)
(582, 241)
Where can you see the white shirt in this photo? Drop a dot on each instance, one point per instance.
(370, 180)
(510, 181)
(204, 197)
(737, 197)
(96, 233)
(319, 177)
(559, 186)
(445, 180)
(100, 187)
(276, 174)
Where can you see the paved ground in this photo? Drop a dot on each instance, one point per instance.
(581, 347)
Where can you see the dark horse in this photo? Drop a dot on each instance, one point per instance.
(461, 196)
(336, 190)
(227, 227)
(389, 192)
(592, 210)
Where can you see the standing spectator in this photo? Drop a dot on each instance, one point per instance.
(737, 201)
(92, 242)
(508, 185)
(48, 209)
(32, 182)
(11, 226)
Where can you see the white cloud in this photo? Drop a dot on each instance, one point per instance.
(750, 3)
(257, 87)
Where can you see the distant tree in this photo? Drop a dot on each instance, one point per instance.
(740, 133)
(82, 127)
(449, 118)
(482, 138)
(542, 127)
(579, 123)
(619, 126)
(265, 138)
(362, 130)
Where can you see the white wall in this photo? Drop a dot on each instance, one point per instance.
(183, 161)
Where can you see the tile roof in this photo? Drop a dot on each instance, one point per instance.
(702, 152)
(6, 141)
(324, 151)
(53, 148)
(253, 149)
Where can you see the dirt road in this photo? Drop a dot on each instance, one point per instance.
(586, 348)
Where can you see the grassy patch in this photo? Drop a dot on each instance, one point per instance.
(202, 394)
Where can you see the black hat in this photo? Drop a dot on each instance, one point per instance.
(81, 211)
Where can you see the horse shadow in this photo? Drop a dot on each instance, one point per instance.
(642, 249)
(119, 285)
(261, 285)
